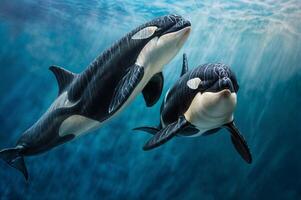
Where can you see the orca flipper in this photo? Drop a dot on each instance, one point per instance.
(63, 77)
(210, 132)
(11, 156)
(239, 142)
(126, 86)
(153, 89)
(184, 65)
(148, 129)
(166, 133)
(189, 131)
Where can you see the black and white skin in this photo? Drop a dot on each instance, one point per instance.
(201, 102)
(86, 100)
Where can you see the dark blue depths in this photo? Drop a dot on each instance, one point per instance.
(260, 40)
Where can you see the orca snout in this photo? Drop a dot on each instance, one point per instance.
(226, 83)
(178, 23)
(223, 83)
(181, 22)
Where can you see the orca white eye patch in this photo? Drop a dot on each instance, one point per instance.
(145, 33)
(194, 83)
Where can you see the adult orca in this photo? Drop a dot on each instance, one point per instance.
(201, 102)
(85, 101)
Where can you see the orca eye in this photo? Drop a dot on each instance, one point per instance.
(145, 33)
(194, 83)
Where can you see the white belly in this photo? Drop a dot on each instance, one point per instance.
(211, 110)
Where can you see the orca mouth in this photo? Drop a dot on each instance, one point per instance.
(226, 93)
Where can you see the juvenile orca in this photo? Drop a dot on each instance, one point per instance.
(201, 102)
(85, 101)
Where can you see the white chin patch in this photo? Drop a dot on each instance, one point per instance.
(145, 33)
(194, 83)
(211, 110)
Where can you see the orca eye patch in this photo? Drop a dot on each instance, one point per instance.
(145, 33)
(194, 83)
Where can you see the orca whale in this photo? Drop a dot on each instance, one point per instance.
(85, 101)
(201, 102)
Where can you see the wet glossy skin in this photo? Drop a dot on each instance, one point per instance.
(91, 92)
(214, 78)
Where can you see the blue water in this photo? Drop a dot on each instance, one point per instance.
(260, 40)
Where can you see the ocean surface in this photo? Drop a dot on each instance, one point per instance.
(260, 40)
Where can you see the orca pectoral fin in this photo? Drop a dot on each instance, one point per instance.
(125, 87)
(189, 131)
(210, 132)
(148, 129)
(166, 133)
(184, 65)
(63, 77)
(239, 142)
(153, 89)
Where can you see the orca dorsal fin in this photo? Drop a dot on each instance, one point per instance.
(63, 77)
(184, 65)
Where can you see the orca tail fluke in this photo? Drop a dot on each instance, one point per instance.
(12, 157)
(148, 129)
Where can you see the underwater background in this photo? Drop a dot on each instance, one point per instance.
(260, 40)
